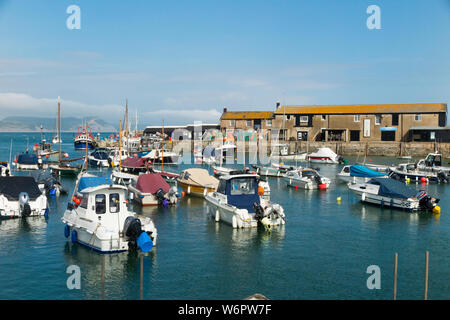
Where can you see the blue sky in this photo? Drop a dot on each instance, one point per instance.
(183, 61)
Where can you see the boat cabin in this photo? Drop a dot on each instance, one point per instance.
(433, 160)
(241, 190)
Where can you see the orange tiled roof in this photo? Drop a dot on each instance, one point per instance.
(246, 115)
(364, 108)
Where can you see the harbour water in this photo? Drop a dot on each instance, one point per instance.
(322, 252)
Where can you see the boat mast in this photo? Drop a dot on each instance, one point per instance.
(59, 130)
(127, 128)
(86, 160)
(162, 150)
(120, 143)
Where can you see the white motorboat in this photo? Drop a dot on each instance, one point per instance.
(238, 201)
(433, 163)
(358, 174)
(150, 189)
(273, 170)
(29, 161)
(162, 156)
(98, 218)
(306, 179)
(281, 152)
(324, 155)
(20, 196)
(409, 172)
(122, 178)
(395, 194)
(100, 158)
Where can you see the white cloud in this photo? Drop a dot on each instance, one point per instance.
(182, 116)
(20, 104)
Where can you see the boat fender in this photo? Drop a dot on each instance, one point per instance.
(66, 231)
(144, 242)
(189, 190)
(217, 216)
(73, 236)
(165, 203)
(52, 192)
(363, 196)
(234, 222)
(46, 213)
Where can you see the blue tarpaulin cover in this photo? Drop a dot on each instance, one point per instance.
(27, 158)
(88, 182)
(393, 188)
(362, 171)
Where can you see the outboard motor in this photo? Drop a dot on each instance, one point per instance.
(442, 176)
(137, 238)
(172, 194)
(259, 211)
(318, 179)
(340, 160)
(425, 201)
(160, 195)
(24, 206)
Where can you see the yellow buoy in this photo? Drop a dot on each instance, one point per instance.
(437, 209)
(338, 199)
(408, 180)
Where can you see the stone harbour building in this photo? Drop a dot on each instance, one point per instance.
(344, 123)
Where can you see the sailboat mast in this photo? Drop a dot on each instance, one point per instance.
(86, 147)
(120, 144)
(162, 150)
(59, 130)
(127, 128)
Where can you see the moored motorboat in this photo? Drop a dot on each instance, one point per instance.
(395, 194)
(29, 161)
(162, 156)
(324, 155)
(306, 178)
(48, 183)
(20, 196)
(433, 163)
(197, 182)
(98, 218)
(238, 202)
(358, 174)
(273, 170)
(409, 172)
(150, 189)
(84, 138)
(100, 158)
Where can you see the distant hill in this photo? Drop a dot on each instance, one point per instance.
(70, 124)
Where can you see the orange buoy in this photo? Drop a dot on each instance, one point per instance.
(183, 193)
(296, 187)
(322, 186)
(260, 191)
(423, 179)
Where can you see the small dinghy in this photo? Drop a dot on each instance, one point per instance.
(358, 174)
(281, 152)
(197, 182)
(150, 189)
(395, 194)
(98, 217)
(409, 172)
(306, 179)
(325, 155)
(238, 201)
(48, 183)
(21, 197)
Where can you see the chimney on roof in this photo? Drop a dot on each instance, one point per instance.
(224, 109)
(278, 104)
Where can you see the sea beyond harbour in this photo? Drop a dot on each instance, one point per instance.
(322, 252)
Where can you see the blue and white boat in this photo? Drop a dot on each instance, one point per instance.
(240, 202)
(29, 161)
(387, 192)
(98, 217)
(358, 174)
(84, 137)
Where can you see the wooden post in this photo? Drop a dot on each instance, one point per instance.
(426, 275)
(141, 282)
(103, 277)
(395, 275)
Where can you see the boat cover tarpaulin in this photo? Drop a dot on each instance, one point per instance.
(27, 158)
(11, 187)
(209, 151)
(134, 162)
(393, 188)
(362, 171)
(89, 182)
(199, 177)
(152, 182)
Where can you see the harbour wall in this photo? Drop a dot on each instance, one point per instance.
(382, 148)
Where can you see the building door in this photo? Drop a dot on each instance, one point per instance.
(387, 135)
(354, 135)
(366, 127)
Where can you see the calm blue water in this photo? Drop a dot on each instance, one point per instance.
(321, 253)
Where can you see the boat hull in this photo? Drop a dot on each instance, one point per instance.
(385, 201)
(196, 191)
(81, 145)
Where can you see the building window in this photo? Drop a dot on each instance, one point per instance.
(418, 117)
(395, 119)
(324, 117)
(377, 119)
(249, 123)
(303, 118)
(357, 118)
(269, 122)
(232, 123)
